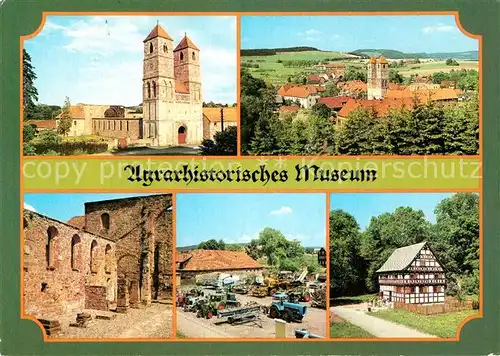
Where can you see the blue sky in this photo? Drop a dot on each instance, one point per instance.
(98, 59)
(363, 206)
(238, 218)
(64, 206)
(429, 33)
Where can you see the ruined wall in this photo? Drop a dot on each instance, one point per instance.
(142, 229)
(59, 262)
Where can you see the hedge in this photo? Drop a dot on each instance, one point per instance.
(69, 148)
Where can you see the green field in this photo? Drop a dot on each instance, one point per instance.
(344, 329)
(275, 73)
(443, 325)
(432, 67)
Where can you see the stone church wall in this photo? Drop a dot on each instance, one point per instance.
(55, 282)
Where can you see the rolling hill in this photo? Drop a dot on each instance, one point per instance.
(395, 54)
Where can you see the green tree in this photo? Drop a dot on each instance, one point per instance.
(389, 231)
(212, 244)
(347, 267)
(395, 77)
(355, 135)
(65, 121)
(30, 93)
(224, 144)
(321, 110)
(330, 90)
(29, 133)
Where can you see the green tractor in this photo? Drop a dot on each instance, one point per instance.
(224, 300)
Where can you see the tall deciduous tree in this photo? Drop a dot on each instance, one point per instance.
(65, 121)
(30, 93)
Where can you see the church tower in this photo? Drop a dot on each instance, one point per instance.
(377, 78)
(187, 67)
(158, 84)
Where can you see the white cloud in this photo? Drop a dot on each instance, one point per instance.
(439, 28)
(29, 207)
(312, 32)
(284, 210)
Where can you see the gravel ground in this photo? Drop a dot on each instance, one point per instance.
(154, 321)
(190, 326)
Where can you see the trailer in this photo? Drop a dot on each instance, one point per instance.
(304, 334)
(239, 315)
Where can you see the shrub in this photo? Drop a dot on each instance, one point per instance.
(69, 148)
(28, 133)
(29, 149)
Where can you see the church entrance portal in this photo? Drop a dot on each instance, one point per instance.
(181, 135)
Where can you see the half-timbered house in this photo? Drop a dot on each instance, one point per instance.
(412, 275)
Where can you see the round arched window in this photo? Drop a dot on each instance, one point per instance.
(194, 56)
(182, 56)
(165, 48)
(150, 48)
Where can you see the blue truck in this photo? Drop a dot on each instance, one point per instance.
(282, 308)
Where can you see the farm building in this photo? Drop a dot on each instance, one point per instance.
(306, 95)
(412, 275)
(198, 262)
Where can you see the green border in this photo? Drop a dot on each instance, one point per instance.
(23, 337)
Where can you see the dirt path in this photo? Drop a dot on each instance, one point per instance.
(154, 321)
(376, 326)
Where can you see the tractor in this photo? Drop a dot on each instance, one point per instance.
(192, 304)
(223, 300)
(282, 308)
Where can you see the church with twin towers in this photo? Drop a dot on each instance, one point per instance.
(172, 92)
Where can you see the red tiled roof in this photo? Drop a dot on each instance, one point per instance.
(186, 43)
(299, 91)
(334, 102)
(42, 124)
(290, 108)
(158, 31)
(77, 221)
(314, 78)
(213, 114)
(432, 94)
(353, 85)
(213, 260)
(394, 86)
(380, 107)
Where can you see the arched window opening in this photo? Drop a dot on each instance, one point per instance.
(75, 252)
(149, 90)
(150, 48)
(49, 246)
(194, 56)
(154, 89)
(93, 255)
(107, 258)
(105, 221)
(165, 48)
(182, 56)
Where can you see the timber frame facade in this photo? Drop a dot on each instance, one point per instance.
(412, 275)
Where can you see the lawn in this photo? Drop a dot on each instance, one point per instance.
(443, 325)
(344, 329)
(352, 300)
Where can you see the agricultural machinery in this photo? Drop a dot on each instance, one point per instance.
(283, 308)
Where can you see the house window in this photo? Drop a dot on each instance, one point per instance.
(49, 246)
(74, 122)
(93, 255)
(105, 221)
(107, 258)
(75, 251)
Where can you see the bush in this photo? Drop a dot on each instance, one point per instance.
(48, 138)
(69, 148)
(29, 133)
(29, 149)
